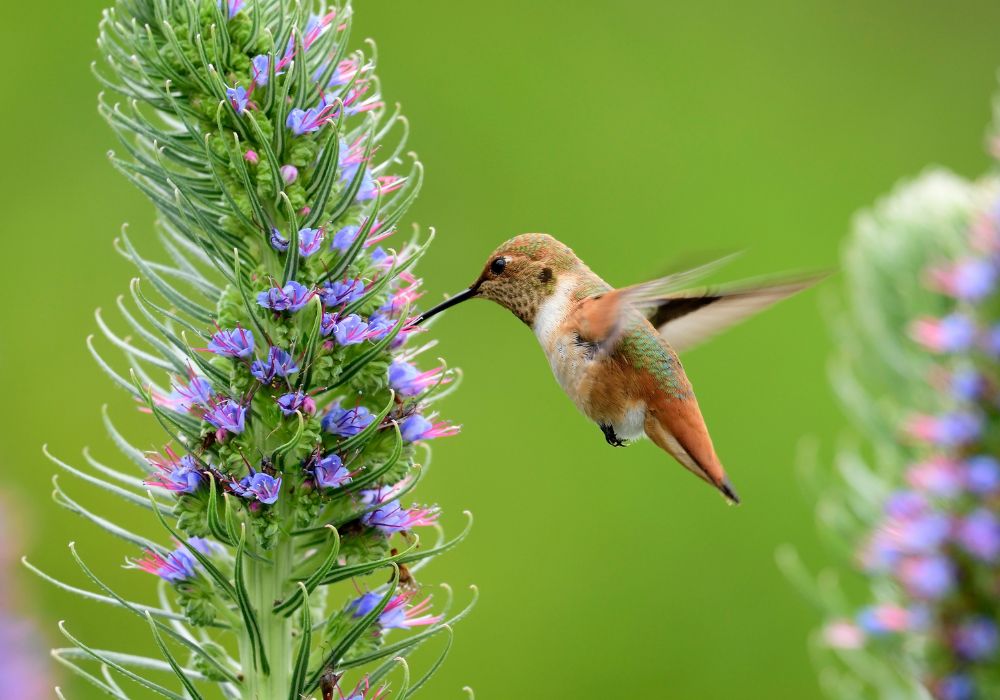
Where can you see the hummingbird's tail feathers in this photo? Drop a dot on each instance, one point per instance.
(678, 429)
(688, 318)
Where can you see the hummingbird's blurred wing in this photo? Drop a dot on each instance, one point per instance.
(688, 318)
(683, 318)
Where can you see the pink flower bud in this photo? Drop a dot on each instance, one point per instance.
(251, 157)
(289, 173)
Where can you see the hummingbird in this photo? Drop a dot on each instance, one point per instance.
(615, 351)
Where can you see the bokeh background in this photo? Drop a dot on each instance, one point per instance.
(635, 132)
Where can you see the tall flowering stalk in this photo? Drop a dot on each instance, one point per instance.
(919, 370)
(276, 350)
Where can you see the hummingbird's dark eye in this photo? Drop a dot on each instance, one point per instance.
(498, 265)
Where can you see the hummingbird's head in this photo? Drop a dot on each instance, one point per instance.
(518, 275)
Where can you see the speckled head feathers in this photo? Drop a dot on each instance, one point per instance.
(521, 272)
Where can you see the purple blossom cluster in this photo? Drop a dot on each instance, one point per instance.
(939, 537)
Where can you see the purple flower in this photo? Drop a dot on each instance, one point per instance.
(948, 430)
(258, 486)
(367, 190)
(328, 323)
(956, 687)
(976, 639)
(991, 343)
(905, 504)
(184, 397)
(365, 604)
(972, 279)
(929, 578)
(277, 364)
(379, 326)
(416, 427)
(397, 613)
(346, 422)
(204, 546)
(982, 474)
(260, 66)
(295, 401)
(407, 380)
(953, 333)
(391, 517)
(350, 330)
(979, 534)
(289, 173)
(236, 342)
(885, 619)
(342, 293)
(381, 259)
(227, 415)
(331, 473)
(238, 98)
(310, 240)
(967, 384)
(178, 475)
(937, 477)
(278, 242)
(178, 565)
(343, 239)
(307, 121)
(292, 297)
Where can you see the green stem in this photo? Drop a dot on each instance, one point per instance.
(266, 582)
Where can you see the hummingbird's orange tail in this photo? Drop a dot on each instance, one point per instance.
(677, 427)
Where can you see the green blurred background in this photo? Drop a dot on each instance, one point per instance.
(634, 132)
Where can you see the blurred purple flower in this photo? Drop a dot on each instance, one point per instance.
(979, 535)
(953, 333)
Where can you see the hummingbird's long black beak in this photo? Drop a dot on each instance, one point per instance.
(447, 304)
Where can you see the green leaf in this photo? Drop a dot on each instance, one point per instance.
(95, 654)
(246, 608)
(60, 497)
(133, 498)
(215, 525)
(288, 606)
(178, 671)
(106, 688)
(297, 688)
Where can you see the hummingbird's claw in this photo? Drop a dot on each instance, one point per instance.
(611, 437)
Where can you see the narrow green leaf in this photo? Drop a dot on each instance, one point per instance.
(95, 654)
(288, 606)
(133, 498)
(296, 688)
(178, 671)
(246, 608)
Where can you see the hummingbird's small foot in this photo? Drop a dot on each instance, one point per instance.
(611, 437)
